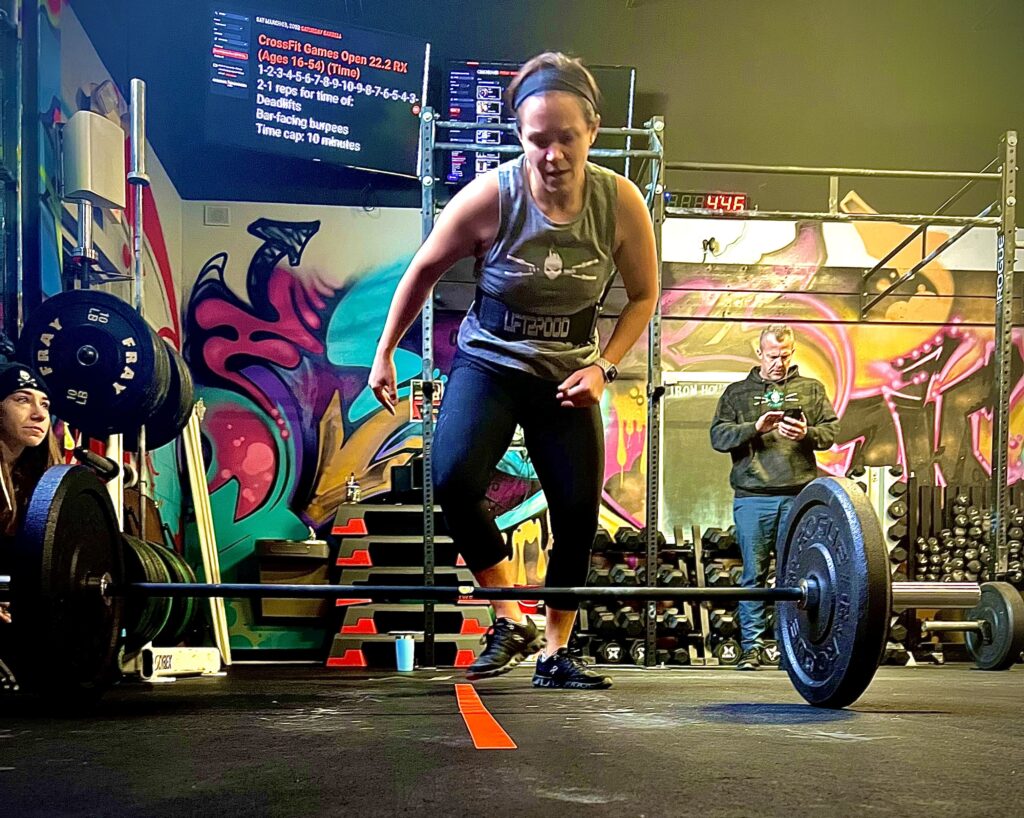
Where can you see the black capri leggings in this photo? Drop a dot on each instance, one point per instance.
(479, 413)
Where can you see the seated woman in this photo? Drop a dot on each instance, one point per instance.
(27, 449)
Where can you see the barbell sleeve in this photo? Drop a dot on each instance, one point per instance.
(935, 595)
(948, 626)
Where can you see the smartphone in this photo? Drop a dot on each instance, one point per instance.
(794, 412)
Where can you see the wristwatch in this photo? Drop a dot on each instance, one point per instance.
(611, 372)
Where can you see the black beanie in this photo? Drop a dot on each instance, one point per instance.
(15, 376)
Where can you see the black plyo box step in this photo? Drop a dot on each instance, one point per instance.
(360, 519)
(465, 620)
(379, 651)
(404, 576)
(394, 550)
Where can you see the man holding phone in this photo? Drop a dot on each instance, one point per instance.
(770, 423)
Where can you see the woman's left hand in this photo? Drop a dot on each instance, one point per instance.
(582, 388)
(5, 612)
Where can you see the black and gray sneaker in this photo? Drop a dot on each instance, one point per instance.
(508, 643)
(750, 660)
(564, 670)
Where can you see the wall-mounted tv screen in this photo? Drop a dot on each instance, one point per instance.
(315, 89)
(476, 93)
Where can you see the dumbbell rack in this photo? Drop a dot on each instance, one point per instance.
(938, 537)
(708, 658)
(890, 495)
(699, 643)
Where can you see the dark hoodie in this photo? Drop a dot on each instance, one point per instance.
(771, 463)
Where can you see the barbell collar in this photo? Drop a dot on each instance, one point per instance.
(417, 593)
(935, 595)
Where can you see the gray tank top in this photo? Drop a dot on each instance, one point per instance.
(539, 268)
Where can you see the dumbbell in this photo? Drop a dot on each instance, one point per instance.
(621, 574)
(638, 652)
(898, 554)
(609, 653)
(670, 577)
(717, 575)
(735, 574)
(770, 653)
(717, 539)
(680, 656)
(676, 623)
(598, 577)
(602, 539)
(601, 621)
(723, 623)
(727, 652)
(628, 538)
(897, 489)
(898, 632)
(659, 538)
(897, 532)
(629, 621)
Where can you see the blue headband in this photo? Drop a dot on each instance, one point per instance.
(552, 79)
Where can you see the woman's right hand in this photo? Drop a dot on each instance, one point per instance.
(382, 380)
(5, 612)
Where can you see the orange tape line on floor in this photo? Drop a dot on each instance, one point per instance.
(483, 728)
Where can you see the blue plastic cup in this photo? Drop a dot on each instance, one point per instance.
(405, 651)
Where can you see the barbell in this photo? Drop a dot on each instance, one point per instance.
(834, 594)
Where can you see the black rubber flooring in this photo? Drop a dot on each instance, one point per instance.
(304, 741)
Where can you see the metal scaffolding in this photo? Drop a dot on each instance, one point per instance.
(1006, 245)
(654, 133)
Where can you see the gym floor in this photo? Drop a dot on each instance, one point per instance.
(304, 741)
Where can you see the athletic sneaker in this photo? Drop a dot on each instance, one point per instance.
(750, 660)
(564, 670)
(508, 643)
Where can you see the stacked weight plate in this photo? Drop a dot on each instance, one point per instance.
(107, 370)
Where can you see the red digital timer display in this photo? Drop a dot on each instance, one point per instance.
(698, 200)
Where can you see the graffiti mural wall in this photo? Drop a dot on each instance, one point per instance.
(910, 382)
(284, 315)
(282, 320)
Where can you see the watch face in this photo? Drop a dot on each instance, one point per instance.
(611, 373)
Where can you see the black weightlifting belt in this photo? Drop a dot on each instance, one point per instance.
(500, 320)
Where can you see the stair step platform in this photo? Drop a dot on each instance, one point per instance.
(360, 519)
(399, 576)
(378, 651)
(391, 550)
(464, 620)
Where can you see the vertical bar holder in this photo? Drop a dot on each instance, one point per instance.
(1006, 251)
(139, 179)
(427, 216)
(655, 390)
(833, 194)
